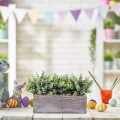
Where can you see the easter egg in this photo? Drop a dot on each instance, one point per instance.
(113, 102)
(91, 104)
(31, 102)
(0, 105)
(101, 107)
(12, 103)
(4, 105)
(25, 101)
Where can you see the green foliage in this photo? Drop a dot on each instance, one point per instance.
(46, 84)
(117, 54)
(92, 47)
(3, 25)
(108, 57)
(109, 24)
(3, 56)
(115, 0)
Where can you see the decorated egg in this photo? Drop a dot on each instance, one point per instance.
(12, 103)
(113, 102)
(31, 102)
(101, 107)
(25, 101)
(0, 105)
(91, 104)
(4, 105)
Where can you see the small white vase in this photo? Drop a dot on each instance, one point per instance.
(3, 33)
(117, 63)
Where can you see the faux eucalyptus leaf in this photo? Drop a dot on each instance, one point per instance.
(46, 84)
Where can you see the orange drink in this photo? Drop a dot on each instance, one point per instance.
(106, 95)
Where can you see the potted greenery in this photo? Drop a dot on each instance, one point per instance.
(108, 61)
(109, 27)
(3, 57)
(117, 59)
(59, 93)
(3, 30)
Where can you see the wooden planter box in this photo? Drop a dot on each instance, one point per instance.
(59, 104)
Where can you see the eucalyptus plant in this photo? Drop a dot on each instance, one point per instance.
(3, 25)
(47, 84)
(92, 46)
(108, 57)
(117, 54)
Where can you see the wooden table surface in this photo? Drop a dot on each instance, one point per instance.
(112, 113)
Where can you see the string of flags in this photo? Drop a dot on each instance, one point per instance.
(48, 16)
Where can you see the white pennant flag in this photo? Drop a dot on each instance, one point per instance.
(5, 13)
(103, 10)
(34, 15)
(20, 14)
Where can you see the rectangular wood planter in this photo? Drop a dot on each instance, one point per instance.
(59, 104)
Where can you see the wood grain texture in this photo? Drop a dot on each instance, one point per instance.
(59, 104)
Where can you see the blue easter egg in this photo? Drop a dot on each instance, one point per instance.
(25, 101)
(113, 102)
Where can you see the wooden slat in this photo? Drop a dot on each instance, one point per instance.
(47, 116)
(18, 114)
(112, 113)
(86, 116)
(3, 112)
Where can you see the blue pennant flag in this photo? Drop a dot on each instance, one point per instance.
(48, 16)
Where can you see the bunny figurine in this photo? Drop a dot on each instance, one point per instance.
(4, 94)
(17, 92)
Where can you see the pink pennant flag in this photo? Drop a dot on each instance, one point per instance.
(62, 14)
(75, 14)
(89, 12)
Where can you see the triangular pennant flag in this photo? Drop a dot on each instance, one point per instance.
(5, 2)
(5, 13)
(62, 14)
(20, 14)
(75, 14)
(103, 10)
(34, 15)
(89, 12)
(48, 16)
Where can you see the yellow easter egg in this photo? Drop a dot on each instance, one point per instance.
(101, 107)
(91, 104)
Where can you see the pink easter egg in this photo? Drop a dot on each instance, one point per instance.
(0, 105)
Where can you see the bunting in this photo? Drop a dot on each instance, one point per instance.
(89, 12)
(62, 15)
(20, 14)
(4, 2)
(48, 16)
(34, 15)
(103, 10)
(5, 13)
(75, 14)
